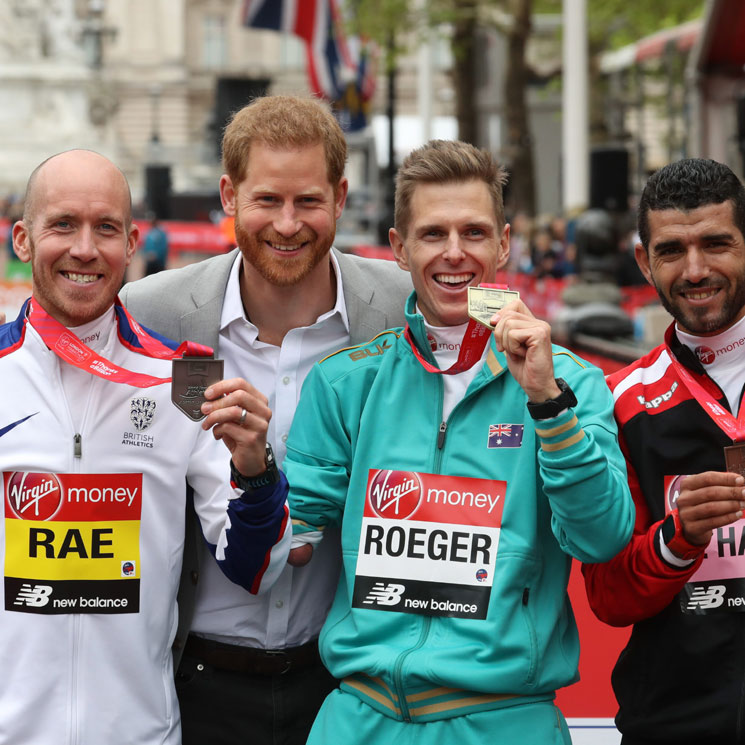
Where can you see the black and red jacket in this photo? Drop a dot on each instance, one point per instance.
(681, 678)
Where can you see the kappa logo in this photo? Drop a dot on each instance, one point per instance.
(704, 598)
(141, 412)
(382, 594)
(657, 400)
(378, 349)
(34, 597)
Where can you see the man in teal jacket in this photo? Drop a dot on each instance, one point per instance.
(461, 496)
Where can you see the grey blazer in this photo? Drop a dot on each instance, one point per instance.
(187, 303)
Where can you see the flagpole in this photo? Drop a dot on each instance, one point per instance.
(424, 93)
(575, 117)
(389, 174)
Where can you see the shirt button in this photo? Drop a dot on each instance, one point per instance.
(286, 380)
(284, 438)
(280, 603)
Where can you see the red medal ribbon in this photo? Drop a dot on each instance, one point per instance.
(68, 347)
(733, 427)
(471, 348)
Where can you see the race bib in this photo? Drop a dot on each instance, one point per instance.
(718, 586)
(428, 544)
(72, 542)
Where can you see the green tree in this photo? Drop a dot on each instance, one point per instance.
(611, 24)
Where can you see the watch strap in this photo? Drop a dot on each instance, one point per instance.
(268, 477)
(554, 406)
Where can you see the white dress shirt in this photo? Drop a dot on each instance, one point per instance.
(294, 610)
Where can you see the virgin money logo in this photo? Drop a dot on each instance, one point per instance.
(705, 355)
(395, 494)
(33, 496)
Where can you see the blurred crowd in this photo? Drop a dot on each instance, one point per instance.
(551, 246)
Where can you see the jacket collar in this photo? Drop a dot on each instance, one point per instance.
(495, 362)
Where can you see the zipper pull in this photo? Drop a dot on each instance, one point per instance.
(441, 435)
(78, 446)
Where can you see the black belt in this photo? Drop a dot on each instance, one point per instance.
(252, 660)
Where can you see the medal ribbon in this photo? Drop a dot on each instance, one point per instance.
(471, 348)
(733, 427)
(68, 347)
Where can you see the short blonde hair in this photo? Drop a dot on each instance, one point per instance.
(444, 162)
(282, 122)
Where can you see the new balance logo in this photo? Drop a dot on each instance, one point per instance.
(382, 594)
(35, 597)
(706, 597)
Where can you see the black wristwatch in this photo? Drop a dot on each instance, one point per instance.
(554, 406)
(268, 477)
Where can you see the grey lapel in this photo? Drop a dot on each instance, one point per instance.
(365, 321)
(202, 324)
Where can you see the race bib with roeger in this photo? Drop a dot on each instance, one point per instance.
(72, 542)
(428, 543)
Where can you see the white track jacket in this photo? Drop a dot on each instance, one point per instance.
(91, 544)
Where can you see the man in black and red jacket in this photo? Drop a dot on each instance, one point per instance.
(681, 580)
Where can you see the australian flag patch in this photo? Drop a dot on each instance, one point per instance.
(505, 435)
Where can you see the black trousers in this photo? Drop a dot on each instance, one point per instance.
(223, 707)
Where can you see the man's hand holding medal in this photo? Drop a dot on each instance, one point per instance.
(525, 340)
(239, 415)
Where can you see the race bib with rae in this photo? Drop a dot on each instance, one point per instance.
(72, 542)
(428, 543)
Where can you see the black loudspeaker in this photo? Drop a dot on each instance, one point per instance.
(231, 95)
(158, 191)
(609, 179)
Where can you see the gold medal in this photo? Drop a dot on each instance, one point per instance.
(191, 378)
(484, 302)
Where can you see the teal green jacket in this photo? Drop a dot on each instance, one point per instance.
(402, 632)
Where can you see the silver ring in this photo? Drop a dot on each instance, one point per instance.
(243, 418)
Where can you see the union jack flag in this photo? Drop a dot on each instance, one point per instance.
(339, 69)
(505, 435)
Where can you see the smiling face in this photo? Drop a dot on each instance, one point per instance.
(77, 234)
(453, 241)
(696, 261)
(285, 211)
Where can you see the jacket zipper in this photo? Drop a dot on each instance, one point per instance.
(427, 620)
(400, 690)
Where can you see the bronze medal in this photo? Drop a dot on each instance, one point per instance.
(191, 377)
(734, 457)
(484, 302)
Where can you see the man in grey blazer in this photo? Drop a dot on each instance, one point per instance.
(271, 308)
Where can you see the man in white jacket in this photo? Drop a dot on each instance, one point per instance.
(93, 462)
